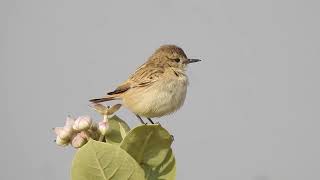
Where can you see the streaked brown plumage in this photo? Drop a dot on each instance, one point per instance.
(156, 88)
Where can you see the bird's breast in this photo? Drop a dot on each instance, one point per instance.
(161, 98)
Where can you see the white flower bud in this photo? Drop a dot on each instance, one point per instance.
(57, 130)
(79, 139)
(65, 133)
(103, 127)
(69, 122)
(61, 142)
(82, 123)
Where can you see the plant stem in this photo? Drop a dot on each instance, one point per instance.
(101, 138)
(105, 118)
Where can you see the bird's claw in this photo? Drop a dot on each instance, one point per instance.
(172, 137)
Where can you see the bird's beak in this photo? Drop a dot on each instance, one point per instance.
(193, 61)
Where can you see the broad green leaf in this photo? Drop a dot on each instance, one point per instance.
(117, 128)
(104, 161)
(147, 144)
(150, 145)
(123, 132)
(165, 171)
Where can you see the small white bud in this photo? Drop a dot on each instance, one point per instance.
(103, 127)
(65, 133)
(79, 139)
(82, 123)
(61, 142)
(57, 130)
(69, 122)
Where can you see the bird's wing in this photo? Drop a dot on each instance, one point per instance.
(144, 76)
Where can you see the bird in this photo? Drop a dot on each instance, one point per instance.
(158, 87)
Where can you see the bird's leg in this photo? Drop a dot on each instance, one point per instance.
(150, 120)
(140, 119)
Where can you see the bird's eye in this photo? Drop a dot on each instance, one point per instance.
(177, 60)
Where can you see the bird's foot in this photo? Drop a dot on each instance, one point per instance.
(172, 137)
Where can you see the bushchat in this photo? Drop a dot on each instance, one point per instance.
(158, 87)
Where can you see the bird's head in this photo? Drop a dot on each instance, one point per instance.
(172, 56)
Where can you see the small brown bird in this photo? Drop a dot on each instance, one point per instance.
(156, 88)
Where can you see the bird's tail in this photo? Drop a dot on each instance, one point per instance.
(99, 100)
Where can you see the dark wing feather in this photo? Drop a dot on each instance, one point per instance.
(120, 89)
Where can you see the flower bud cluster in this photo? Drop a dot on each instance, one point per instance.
(78, 131)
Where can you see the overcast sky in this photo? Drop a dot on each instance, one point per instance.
(252, 109)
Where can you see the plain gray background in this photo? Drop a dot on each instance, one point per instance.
(252, 110)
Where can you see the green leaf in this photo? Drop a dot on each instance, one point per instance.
(165, 171)
(123, 132)
(150, 145)
(117, 130)
(104, 161)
